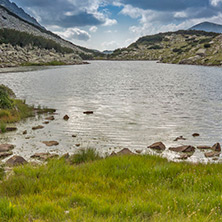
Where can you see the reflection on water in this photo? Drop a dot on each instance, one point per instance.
(134, 104)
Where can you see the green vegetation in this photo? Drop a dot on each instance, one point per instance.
(120, 188)
(24, 39)
(85, 155)
(13, 110)
(53, 63)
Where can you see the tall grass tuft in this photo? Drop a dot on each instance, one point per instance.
(85, 155)
(2, 127)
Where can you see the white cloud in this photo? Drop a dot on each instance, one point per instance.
(110, 22)
(215, 2)
(74, 33)
(93, 29)
(110, 45)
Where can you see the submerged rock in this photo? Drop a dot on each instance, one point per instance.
(24, 132)
(11, 129)
(216, 147)
(184, 156)
(195, 134)
(88, 112)
(5, 154)
(46, 122)
(180, 138)
(157, 146)
(16, 160)
(77, 144)
(125, 151)
(44, 156)
(50, 118)
(6, 147)
(74, 136)
(37, 127)
(212, 154)
(66, 117)
(51, 143)
(184, 149)
(204, 147)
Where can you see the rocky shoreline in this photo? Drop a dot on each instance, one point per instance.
(14, 56)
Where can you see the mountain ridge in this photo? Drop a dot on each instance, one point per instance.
(207, 27)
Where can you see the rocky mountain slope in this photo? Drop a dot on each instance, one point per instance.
(12, 7)
(181, 47)
(207, 27)
(16, 33)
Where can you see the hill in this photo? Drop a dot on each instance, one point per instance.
(207, 27)
(181, 47)
(23, 43)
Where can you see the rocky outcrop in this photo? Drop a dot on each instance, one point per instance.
(216, 147)
(157, 146)
(15, 161)
(11, 56)
(183, 149)
(6, 147)
(125, 151)
(51, 143)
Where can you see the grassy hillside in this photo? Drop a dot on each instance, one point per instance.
(120, 188)
(181, 47)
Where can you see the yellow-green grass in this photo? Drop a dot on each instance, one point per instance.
(120, 188)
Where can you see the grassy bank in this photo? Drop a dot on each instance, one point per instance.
(120, 188)
(12, 109)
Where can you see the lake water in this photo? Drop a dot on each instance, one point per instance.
(135, 104)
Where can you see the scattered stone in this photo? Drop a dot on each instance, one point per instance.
(44, 156)
(204, 147)
(78, 145)
(37, 127)
(51, 143)
(157, 146)
(66, 117)
(215, 158)
(184, 156)
(184, 149)
(212, 154)
(196, 134)
(24, 132)
(180, 138)
(50, 118)
(16, 160)
(125, 151)
(5, 154)
(216, 147)
(27, 138)
(88, 112)
(11, 129)
(46, 122)
(113, 154)
(6, 147)
(139, 151)
(74, 136)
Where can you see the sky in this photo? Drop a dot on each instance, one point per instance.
(112, 24)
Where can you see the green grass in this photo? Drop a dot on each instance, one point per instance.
(53, 63)
(120, 188)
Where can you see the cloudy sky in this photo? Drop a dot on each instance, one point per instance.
(111, 24)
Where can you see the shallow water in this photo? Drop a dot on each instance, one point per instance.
(134, 103)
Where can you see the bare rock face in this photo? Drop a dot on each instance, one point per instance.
(157, 146)
(51, 143)
(37, 127)
(125, 151)
(216, 147)
(212, 154)
(183, 149)
(44, 156)
(6, 147)
(15, 161)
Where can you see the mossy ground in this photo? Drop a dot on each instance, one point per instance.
(121, 188)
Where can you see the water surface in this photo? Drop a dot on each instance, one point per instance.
(134, 103)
